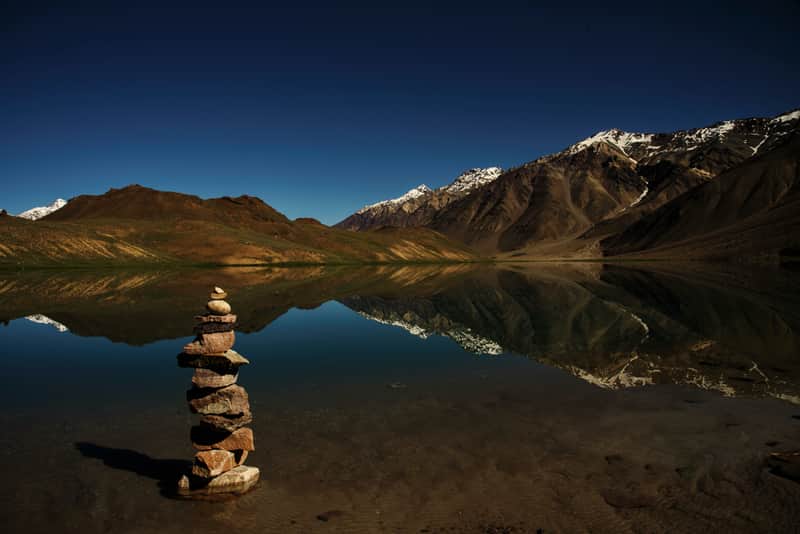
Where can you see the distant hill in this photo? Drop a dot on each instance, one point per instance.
(137, 225)
(142, 203)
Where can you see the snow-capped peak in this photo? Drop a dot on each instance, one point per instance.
(41, 211)
(787, 117)
(412, 194)
(473, 179)
(618, 138)
(466, 182)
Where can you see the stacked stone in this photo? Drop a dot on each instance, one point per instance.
(222, 438)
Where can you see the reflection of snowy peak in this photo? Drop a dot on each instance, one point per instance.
(620, 331)
(42, 211)
(643, 369)
(43, 319)
(468, 340)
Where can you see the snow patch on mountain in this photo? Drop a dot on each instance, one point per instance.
(412, 194)
(472, 179)
(465, 183)
(618, 138)
(787, 117)
(641, 197)
(42, 211)
(701, 135)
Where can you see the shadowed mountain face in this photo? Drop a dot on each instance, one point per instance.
(544, 201)
(737, 332)
(746, 208)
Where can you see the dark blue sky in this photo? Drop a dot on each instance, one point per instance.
(320, 111)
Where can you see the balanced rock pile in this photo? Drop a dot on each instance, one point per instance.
(222, 438)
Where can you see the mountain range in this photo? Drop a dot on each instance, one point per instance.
(726, 191)
(622, 193)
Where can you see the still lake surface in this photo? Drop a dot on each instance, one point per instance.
(566, 398)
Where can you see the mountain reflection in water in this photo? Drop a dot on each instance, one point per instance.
(734, 331)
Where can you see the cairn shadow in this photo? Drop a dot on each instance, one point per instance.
(165, 471)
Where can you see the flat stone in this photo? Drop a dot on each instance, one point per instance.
(210, 328)
(218, 296)
(208, 378)
(222, 423)
(218, 307)
(208, 318)
(231, 400)
(238, 479)
(204, 438)
(234, 482)
(215, 343)
(211, 463)
(226, 363)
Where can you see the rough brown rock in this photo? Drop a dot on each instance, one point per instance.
(210, 328)
(224, 423)
(208, 318)
(204, 438)
(208, 378)
(215, 343)
(231, 400)
(227, 363)
(212, 463)
(218, 307)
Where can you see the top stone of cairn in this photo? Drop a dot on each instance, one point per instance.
(218, 306)
(217, 293)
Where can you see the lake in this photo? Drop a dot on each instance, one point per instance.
(453, 398)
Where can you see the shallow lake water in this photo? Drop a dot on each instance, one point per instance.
(514, 398)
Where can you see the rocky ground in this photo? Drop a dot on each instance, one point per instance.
(482, 453)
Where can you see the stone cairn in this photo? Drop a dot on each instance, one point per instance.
(222, 438)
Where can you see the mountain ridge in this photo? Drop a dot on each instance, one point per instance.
(563, 205)
(137, 224)
(417, 206)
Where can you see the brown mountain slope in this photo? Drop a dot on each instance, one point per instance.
(545, 201)
(753, 209)
(665, 180)
(137, 202)
(141, 225)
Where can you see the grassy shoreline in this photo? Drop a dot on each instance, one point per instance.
(170, 265)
